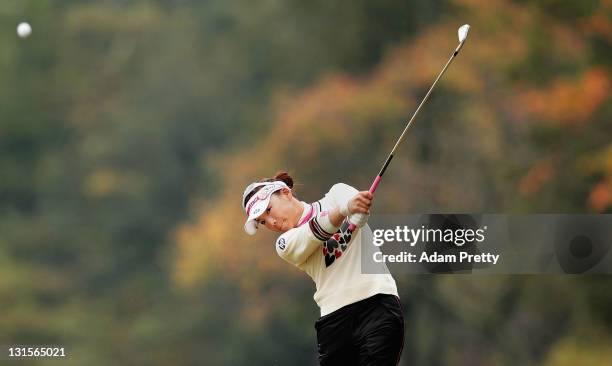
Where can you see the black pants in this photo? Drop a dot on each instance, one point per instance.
(368, 332)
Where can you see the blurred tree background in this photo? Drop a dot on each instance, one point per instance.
(128, 130)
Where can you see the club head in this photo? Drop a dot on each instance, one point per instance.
(463, 32)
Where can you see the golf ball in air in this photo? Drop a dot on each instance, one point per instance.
(24, 30)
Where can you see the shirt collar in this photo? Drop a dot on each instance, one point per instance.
(306, 214)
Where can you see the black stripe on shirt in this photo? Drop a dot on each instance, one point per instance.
(318, 231)
(318, 204)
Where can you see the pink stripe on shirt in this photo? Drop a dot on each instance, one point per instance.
(307, 217)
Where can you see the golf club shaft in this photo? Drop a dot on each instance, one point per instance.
(378, 178)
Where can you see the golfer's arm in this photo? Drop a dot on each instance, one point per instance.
(340, 194)
(296, 245)
(335, 217)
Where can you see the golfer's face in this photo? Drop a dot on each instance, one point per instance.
(278, 215)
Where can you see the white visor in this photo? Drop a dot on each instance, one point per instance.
(258, 204)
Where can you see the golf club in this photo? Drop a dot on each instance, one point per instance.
(462, 33)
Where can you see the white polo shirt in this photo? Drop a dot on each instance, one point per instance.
(331, 256)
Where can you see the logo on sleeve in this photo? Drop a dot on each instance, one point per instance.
(281, 244)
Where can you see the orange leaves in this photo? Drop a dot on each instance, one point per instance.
(569, 102)
(541, 173)
(600, 197)
(600, 22)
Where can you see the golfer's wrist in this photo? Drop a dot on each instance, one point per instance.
(336, 218)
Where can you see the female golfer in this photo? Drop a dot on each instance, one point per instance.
(361, 318)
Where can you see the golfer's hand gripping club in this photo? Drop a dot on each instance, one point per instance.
(462, 33)
(357, 209)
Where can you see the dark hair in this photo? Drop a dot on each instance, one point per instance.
(282, 176)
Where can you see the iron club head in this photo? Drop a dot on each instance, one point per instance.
(463, 32)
